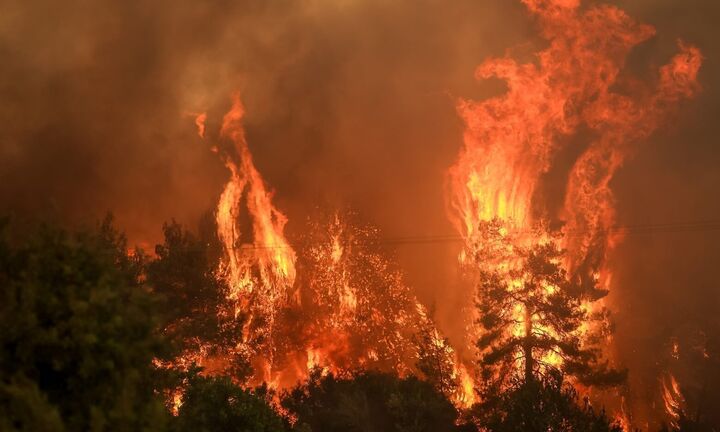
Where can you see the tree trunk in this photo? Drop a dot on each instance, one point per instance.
(528, 346)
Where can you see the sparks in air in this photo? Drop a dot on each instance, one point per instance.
(334, 301)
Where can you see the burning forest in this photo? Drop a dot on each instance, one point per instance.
(416, 217)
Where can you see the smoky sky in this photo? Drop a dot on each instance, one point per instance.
(349, 103)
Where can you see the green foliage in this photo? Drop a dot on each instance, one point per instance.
(194, 309)
(546, 404)
(82, 328)
(23, 407)
(217, 404)
(370, 401)
(78, 334)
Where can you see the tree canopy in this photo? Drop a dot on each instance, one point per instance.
(88, 325)
(212, 404)
(531, 315)
(545, 404)
(195, 314)
(79, 334)
(370, 401)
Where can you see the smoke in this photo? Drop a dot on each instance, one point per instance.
(666, 287)
(348, 103)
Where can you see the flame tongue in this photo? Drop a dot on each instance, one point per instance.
(512, 140)
(261, 273)
(273, 255)
(673, 399)
(348, 310)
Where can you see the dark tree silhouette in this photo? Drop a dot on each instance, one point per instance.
(196, 315)
(217, 404)
(543, 404)
(78, 334)
(370, 401)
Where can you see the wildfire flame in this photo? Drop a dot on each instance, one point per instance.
(260, 264)
(673, 399)
(362, 313)
(623, 418)
(575, 90)
(338, 304)
(200, 124)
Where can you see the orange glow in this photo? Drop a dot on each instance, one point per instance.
(348, 310)
(176, 402)
(624, 418)
(511, 141)
(361, 313)
(673, 399)
(260, 266)
(466, 396)
(337, 303)
(200, 124)
(675, 353)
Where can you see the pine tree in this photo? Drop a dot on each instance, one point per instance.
(547, 403)
(530, 313)
(435, 359)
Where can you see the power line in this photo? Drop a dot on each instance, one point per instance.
(672, 227)
(636, 229)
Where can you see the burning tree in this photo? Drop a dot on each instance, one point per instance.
(539, 300)
(436, 360)
(196, 315)
(258, 264)
(533, 318)
(340, 304)
(357, 313)
(361, 313)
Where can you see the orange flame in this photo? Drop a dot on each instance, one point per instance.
(273, 254)
(466, 396)
(200, 124)
(260, 265)
(673, 399)
(574, 89)
(349, 309)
